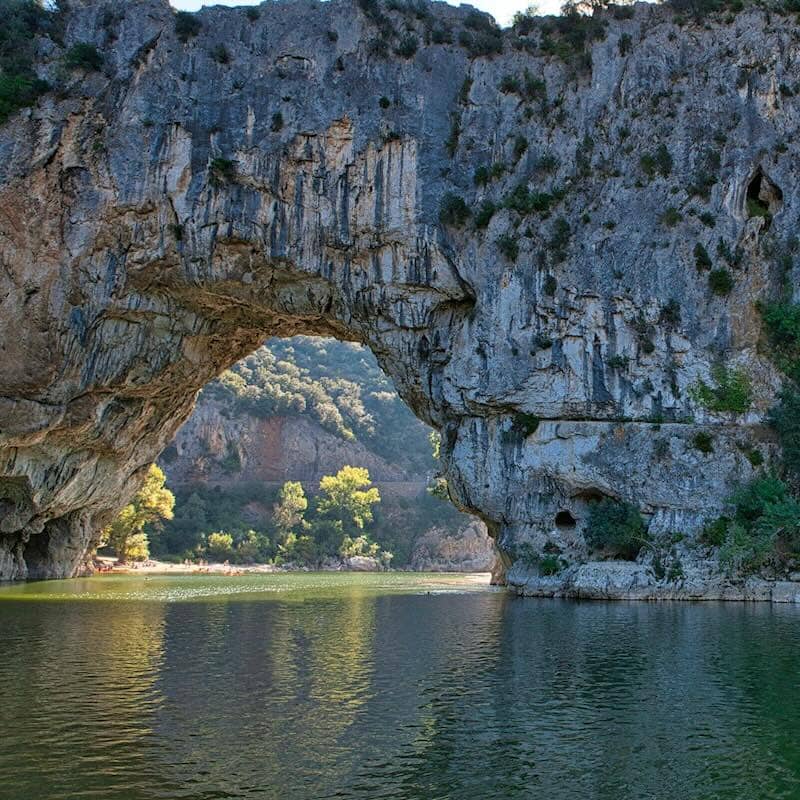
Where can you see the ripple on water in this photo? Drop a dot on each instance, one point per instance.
(375, 687)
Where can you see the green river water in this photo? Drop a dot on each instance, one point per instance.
(389, 686)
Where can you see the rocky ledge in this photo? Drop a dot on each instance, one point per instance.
(626, 580)
(554, 247)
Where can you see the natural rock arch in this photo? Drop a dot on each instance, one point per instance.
(162, 217)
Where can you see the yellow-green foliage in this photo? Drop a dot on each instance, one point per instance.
(150, 505)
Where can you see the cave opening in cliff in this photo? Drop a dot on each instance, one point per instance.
(565, 520)
(299, 410)
(764, 198)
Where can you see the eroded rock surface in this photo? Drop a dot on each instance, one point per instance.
(162, 217)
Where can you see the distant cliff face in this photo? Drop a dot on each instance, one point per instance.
(623, 211)
(215, 447)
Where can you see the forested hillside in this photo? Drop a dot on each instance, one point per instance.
(339, 385)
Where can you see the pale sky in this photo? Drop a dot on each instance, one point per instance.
(501, 10)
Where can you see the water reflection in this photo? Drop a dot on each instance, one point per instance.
(78, 696)
(360, 694)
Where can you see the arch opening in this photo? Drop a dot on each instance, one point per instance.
(295, 411)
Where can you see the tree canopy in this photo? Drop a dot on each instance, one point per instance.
(346, 498)
(150, 505)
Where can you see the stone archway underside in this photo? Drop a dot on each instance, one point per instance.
(159, 220)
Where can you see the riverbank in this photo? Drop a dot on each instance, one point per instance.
(627, 580)
(108, 566)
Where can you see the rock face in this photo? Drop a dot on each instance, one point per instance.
(465, 550)
(272, 176)
(270, 451)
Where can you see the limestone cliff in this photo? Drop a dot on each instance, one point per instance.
(284, 173)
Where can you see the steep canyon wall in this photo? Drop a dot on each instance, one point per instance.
(285, 174)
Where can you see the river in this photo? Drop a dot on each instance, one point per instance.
(407, 686)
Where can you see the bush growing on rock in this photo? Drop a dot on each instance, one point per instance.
(220, 54)
(407, 46)
(658, 163)
(187, 26)
(484, 214)
(703, 442)
(508, 245)
(223, 170)
(520, 146)
(785, 419)
(702, 259)
(731, 391)
(550, 565)
(83, 56)
(671, 217)
(618, 362)
(453, 211)
(720, 281)
(509, 85)
(482, 36)
(567, 36)
(22, 22)
(782, 321)
(526, 424)
(617, 528)
(764, 531)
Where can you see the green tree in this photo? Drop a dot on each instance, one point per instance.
(359, 546)
(151, 504)
(345, 497)
(219, 545)
(298, 550)
(287, 514)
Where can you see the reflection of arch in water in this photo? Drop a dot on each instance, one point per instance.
(309, 663)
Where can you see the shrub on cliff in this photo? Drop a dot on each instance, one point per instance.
(484, 214)
(407, 46)
(453, 211)
(83, 55)
(508, 245)
(720, 281)
(482, 36)
(785, 419)
(616, 528)
(731, 391)
(20, 22)
(566, 37)
(658, 163)
(764, 531)
(187, 25)
(782, 321)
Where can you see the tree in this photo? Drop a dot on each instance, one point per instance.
(287, 515)
(346, 498)
(151, 504)
(360, 546)
(219, 545)
(297, 549)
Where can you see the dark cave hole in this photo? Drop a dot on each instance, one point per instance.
(764, 198)
(565, 520)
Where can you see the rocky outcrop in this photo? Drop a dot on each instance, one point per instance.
(626, 580)
(466, 550)
(220, 447)
(285, 174)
